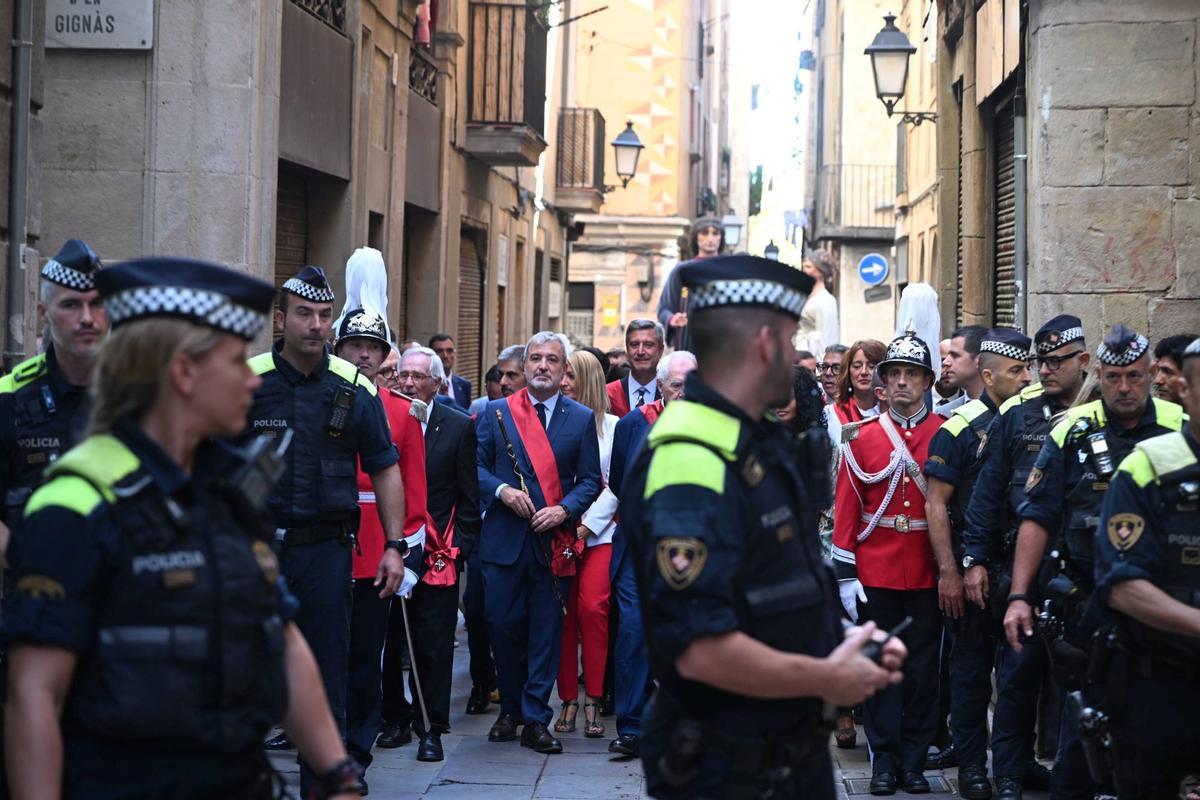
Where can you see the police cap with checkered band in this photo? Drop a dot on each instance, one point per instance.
(196, 291)
(310, 284)
(743, 281)
(1058, 332)
(74, 267)
(1006, 342)
(1122, 346)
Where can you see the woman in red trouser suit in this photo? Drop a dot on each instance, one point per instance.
(587, 607)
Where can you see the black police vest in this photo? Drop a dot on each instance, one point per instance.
(1180, 576)
(785, 595)
(1085, 496)
(1036, 424)
(966, 486)
(45, 425)
(190, 647)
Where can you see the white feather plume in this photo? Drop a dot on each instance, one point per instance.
(919, 311)
(366, 287)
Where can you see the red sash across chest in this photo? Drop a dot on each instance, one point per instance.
(565, 546)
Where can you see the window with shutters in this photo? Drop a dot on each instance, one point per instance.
(1004, 219)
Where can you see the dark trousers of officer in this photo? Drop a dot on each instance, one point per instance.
(433, 613)
(1155, 731)
(479, 640)
(631, 676)
(716, 777)
(1014, 722)
(526, 624)
(972, 658)
(368, 627)
(319, 576)
(1070, 779)
(901, 721)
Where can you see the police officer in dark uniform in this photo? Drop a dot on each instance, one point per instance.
(43, 401)
(953, 466)
(151, 639)
(338, 423)
(1059, 517)
(1148, 575)
(741, 613)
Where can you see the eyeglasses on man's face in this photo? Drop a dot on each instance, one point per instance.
(414, 376)
(1054, 363)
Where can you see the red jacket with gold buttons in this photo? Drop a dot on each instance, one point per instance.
(896, 554)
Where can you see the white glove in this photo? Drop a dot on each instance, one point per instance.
(406, 585)
(851, 590)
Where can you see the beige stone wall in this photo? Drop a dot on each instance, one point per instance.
(1114, 120)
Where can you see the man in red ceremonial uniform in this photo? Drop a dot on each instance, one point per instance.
(885, 563)
(644, 342)
(362, 340)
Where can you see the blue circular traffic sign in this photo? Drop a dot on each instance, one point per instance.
(873, 269)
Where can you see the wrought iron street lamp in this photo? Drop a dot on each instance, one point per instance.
(733, 225)
(626, 149)
(890, 52)
(771, 251)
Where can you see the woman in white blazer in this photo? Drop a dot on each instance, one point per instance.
(587, 607)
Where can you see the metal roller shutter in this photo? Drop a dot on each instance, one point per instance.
(1004, 230)
(291, 224)
(469, 341)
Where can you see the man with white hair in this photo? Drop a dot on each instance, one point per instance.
(631, 673)
(539, 470)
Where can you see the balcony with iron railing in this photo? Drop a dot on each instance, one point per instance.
(579, 173)
(856, 201)
(331, 12)
(506, 84)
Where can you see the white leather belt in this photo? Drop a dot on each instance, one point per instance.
(366, 497)
(901, 523)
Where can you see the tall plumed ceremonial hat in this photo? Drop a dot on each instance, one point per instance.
(365, 310)
(1008, 343)
(744, 281)
(1192, 350)
(310, 284)
(918, 314)
(707, 221)
(196, 291)
(1061, 330)
(1122, 346)
(907, 349)
(74, 267)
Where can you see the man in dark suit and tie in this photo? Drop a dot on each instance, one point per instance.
(452, 534)
(528, 545)
(455, 387)
(644, 344)
(631, 665)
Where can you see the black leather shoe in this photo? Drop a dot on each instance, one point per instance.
(280, 742)
(608, 705)
(504, 730)
(1008, 789)
(883, 784)
(943, 759)
(361, 787)
(914, 782)
(626, 745)
(394, 735)
(430, 748)
(537, 738)
(973, 783)
(478, 704)
(1037, 778)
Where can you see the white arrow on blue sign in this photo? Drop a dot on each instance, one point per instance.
(873, 269)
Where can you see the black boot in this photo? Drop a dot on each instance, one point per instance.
(430, 748)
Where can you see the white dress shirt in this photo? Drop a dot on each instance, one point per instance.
(633, 391)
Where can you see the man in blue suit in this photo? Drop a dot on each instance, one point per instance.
(528, 543)
(456, 387)
(631, 667)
